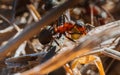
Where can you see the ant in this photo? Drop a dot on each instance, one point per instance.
(61, 28)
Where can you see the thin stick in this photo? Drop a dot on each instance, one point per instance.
(15, 26)
(34, 12)
(68, 69)
(112, 53)
(92, 14)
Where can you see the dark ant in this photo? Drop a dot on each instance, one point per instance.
(62, 28)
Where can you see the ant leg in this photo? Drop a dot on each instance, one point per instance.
(59, 35)
(68, 37)
(56, 42)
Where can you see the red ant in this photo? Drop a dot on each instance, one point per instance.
(62, 28)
